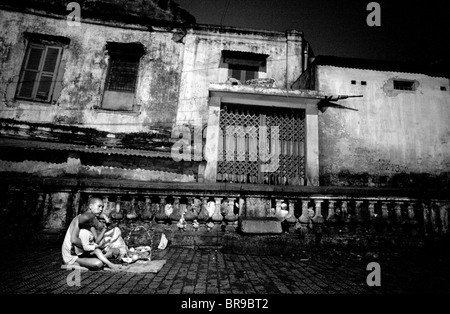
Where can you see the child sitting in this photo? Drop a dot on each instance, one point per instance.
(87, 221)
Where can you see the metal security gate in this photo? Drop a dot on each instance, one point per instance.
(261, 145)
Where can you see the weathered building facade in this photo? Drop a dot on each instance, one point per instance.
(189, 129)
(396, 134)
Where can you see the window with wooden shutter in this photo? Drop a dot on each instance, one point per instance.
(39, 72)
(243, 73)
(244, 66)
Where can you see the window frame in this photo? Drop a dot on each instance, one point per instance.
(244, 70)
(45, 45)
(411, 83)
(245, 62)
(117, 100)
(118, 56)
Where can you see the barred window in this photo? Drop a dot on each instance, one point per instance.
(123, 73)
(122, 77)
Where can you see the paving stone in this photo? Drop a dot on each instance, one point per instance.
(190, 271)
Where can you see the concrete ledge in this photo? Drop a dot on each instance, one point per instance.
(111, 186)
(260, 225)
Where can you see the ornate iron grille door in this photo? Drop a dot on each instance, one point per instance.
(261, 145)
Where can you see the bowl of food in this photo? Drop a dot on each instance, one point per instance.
(127, 260)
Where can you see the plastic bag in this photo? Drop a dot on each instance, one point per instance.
(163, 243)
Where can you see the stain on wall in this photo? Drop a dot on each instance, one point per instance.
(202, 63)
(396, 138)
(84, 67)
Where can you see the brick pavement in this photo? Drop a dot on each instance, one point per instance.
(209, 271)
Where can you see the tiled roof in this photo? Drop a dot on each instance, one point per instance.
(382, 65)
(141, 12)
(31, 144)
(154, 143)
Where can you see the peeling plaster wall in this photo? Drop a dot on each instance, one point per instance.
(202, 64)
(85, 63)
(174, 74)
(397, 138)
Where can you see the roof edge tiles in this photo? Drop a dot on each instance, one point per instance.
(33, 144)
(381, 65)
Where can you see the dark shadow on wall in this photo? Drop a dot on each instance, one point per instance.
(399, 180)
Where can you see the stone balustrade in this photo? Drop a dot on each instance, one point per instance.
(299, 212)
(193, 214)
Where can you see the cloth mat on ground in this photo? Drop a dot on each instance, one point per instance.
(147, 267)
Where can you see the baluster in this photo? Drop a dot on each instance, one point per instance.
(426, 219)
(224, 207)
(240, 203)
(176, 215)
(304, 218)
(411, 214)
(40, 201)
(47, 201)
(182, 224)
(398, 212)
(196, 206)
(318, 208)
(358, 215)
(203, 215)
(155, 208)
(147, 212)
(36, 213)
(195, 209)
(331, 214)
(372, 214)
(241, 206)
(117, 213)
(217, 218)
(190, 214)
(124, 207)
(160, 216)
(278, 209)
(284, 210)
(230, 217)
(385, 212)
(344, 210)
(434, 218)
(444, 217)
(131, 213)
(345, 218)
(141, 207)
(290, 218)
